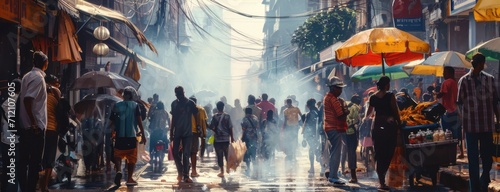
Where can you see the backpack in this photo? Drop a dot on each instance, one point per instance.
(62, 115)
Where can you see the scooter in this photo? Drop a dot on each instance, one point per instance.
(157, 156)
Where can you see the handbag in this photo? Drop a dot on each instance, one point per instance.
(367, 142)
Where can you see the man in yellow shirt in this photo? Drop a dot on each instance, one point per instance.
(199, 127)
(291, 128)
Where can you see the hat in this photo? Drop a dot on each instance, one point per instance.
(335, 81)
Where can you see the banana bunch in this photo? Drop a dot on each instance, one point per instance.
(413, 115)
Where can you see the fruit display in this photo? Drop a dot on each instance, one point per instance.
(413, 115)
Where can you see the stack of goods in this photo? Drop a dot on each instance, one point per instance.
(429, 136)
(413, 115)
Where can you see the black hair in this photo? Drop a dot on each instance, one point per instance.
(311, 102)
(264, 96)
(248, 110)
(220, 106)
(270, 114)
(193, 98)
(356, 99)
(449, 69)
(160, 105)
(477, 59)
(430, 88)
(251, 99)
(51, 79)
(39, 59)
(128, 94)
(179, 90)
(288, 101)
(382, 82)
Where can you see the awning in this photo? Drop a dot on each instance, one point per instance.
(119, 47)
(487, 10)
(69, 6)
(100, 12)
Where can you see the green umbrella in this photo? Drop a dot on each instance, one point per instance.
(375, 72)
(490, 49)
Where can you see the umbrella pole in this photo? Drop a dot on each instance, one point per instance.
(383, 66)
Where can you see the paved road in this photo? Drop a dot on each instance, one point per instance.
(281, 176)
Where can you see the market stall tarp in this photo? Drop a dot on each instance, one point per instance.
(104, 13)
(68, 50)
(487, 10)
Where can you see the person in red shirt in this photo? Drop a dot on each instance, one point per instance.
(448, 95)
(335, 125)
(265, 105)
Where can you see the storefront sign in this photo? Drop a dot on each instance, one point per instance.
(435, 15)
(407, 15)
(459, 6)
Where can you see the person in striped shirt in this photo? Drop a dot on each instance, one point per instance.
(335, 125)
(478, 100)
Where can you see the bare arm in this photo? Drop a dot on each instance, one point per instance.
(141, 128)
(368, 112)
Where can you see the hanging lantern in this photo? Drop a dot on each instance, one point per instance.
(100, 49)
(101, 33)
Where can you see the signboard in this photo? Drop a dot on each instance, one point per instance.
(408, 15)
(459, 6)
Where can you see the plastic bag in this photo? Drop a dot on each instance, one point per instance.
(211, 140)
(236, 153)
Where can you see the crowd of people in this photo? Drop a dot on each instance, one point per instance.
(332, 128)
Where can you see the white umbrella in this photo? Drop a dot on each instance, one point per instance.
(434, 65)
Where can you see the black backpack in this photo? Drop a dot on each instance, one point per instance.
(62, 115)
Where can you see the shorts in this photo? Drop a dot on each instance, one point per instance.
(50, 150)
(195, 143)
(129, 154)
(451, 121)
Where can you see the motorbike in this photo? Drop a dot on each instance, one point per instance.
(67, 162)
(157, 156)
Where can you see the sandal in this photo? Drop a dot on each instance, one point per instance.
(220, 175)
(131, 183)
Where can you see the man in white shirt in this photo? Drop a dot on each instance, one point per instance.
(33, 121)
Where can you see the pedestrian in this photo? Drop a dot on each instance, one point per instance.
(429, 95)
(385, 127)
(478, 98)
(352, 137)
(8, 139)
(182, 112)
(51, 134)
(206, 147)
(199, 128)
(236, 115)
(125, 118)
(310, 131)
(292, 116)
(335, 125)
(257, 111)
(265, 105)
(448, 95)
(33, 122)
(250, 127)
(270, 135)
(158, 125)
(223, 130)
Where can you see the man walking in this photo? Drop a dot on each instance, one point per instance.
(33, 116)
(291, 128)
(199, 128)
(125, 118)
(335, 125)
(478, 98)
(183, 110)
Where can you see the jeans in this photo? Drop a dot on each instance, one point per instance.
(349, 150)
(485, 140)
(182, 162)
(221, 150)
(30, 159)
(251, 151)
(335, 138)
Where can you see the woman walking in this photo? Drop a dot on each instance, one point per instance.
(310, 131)
(223, 129)
(385, 127)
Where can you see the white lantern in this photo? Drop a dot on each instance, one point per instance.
(101, 49)
(101, 33)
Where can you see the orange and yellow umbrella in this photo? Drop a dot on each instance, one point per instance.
(378, 45)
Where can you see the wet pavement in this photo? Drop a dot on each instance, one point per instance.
(279, 176)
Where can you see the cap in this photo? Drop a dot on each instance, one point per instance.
(335, 81)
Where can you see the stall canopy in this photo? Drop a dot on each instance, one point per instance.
(487, 10)
(103, 13)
